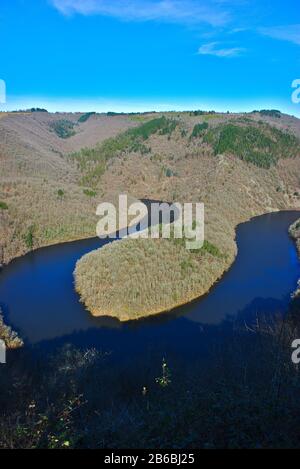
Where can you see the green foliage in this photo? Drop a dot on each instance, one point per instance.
(64, 128)
(33, 109)
(29, 237)
(3, 206)
(183, 133)
(197, 113)
(156, 157)
(262, 145)
(202, 113)
(85, 117)
(92, 161)
(131, 114)
(162, 125)
(270, 113)
(207, 247)
(211, 249)
(89, 193)
(60, 193)
(38, 109)
(187, 265)
(199, 129)
(168, 127)
(93, 175)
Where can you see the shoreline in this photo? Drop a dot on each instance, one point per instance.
(188, 300)
(294, 232)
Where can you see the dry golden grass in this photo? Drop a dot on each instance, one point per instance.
(150, 275)
(128, 283)
(34, 167)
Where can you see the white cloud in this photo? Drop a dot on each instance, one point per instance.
(289, 33)
(213, 48)
(172, 11)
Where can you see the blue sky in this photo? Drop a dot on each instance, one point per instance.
(127, 55)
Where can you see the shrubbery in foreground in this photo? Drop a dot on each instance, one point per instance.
(242, 392)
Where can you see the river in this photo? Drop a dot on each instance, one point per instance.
(39, 301)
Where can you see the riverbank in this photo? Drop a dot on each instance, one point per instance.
(187, 265)
(164, 158)
(9, 337)
(83, 226)
(170, 276)
(173, 383)
(102, 281)
(38, 314)
(295, 233)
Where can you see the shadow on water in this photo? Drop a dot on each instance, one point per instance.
(39, 301)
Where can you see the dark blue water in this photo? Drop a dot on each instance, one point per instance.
(39, 301)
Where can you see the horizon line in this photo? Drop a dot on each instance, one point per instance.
(139, 105)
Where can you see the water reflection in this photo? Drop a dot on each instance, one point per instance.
(39, 301)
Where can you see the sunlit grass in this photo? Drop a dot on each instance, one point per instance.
(132, 278)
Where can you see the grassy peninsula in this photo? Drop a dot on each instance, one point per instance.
(235, 169)
(238, 165)
(162, 275)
